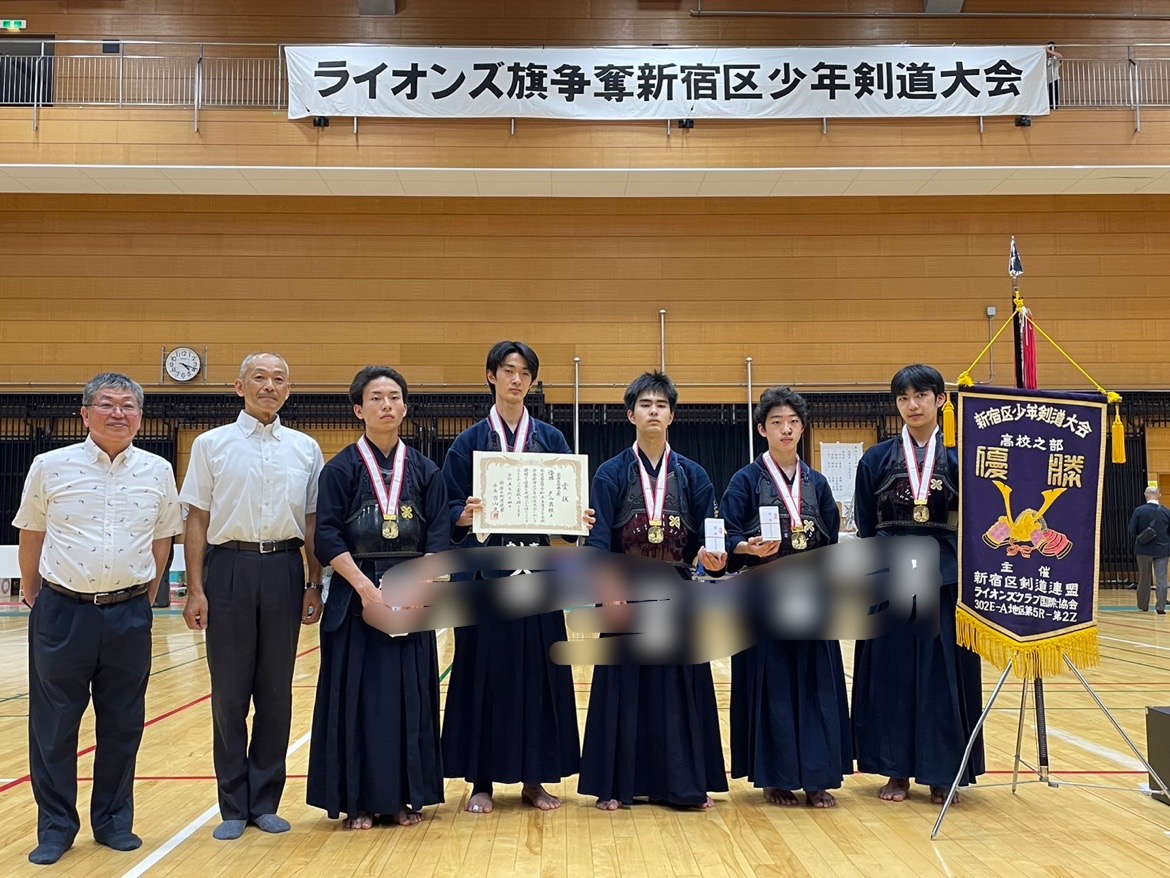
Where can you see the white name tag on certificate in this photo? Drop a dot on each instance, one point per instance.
(716, 537)
(770, 524)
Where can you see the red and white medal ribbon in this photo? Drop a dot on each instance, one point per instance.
(919, 478)
(656, 498)
(387, 499)
(521, 431)
(790, 496)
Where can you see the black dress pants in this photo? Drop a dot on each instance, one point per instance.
(76, 649)
(254, 611)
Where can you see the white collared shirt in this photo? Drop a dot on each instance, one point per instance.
(258, 481)
(99, 516)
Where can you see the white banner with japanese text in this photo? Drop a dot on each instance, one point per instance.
(666, 83)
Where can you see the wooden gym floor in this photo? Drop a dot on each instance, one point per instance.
(1040, 831)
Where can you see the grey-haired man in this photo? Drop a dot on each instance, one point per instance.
(96, 522)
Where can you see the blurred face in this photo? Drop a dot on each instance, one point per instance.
(651, 415)
(919, 408)
(382, 407)
(513, 379)
(783, 429)
(264, 387)
(113, 418)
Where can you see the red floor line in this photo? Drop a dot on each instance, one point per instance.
(150, 722)
(210, 777)
(193, 777)
(1058, 774)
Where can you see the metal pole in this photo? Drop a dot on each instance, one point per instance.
(662, 340)
(1135, 76)
(970, 746)
(1132, 746)
(198, 85)
(576, 405)
(750, 426)
(1020, 736)
(37, 88)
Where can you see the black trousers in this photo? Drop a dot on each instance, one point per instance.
(75, 649)
(253, 622)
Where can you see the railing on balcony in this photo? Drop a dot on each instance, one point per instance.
(75, 73)
(46, 73)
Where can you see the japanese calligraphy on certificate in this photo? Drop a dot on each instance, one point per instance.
(530, 493)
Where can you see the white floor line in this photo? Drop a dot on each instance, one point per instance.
(195, 825)
(1136, 643)
(1123, 759)
(191, 828)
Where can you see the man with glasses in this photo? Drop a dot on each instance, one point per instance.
(96, 521)
(251, 498)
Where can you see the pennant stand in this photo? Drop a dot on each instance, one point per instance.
(1028, 662)
(1042, 771)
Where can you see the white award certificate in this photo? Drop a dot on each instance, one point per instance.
(530, 493)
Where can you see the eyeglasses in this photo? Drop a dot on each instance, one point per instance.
(107, 408)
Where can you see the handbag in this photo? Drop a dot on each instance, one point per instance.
(1146, 536)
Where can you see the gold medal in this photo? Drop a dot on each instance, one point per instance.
(655, 534)
(406, 512)
(799, 539)
(387, 499)
(921, 478)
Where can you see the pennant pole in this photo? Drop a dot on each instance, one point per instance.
(1022, 354)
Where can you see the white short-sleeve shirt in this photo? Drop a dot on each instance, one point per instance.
(257, 481)
(100, 517)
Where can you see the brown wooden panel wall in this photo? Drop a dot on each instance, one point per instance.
(820, 292)
(144, 136)
(1158, 458)
(241, 137)
(579, 22)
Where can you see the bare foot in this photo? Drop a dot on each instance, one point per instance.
(608, 805)
(938, 795)
(406, 818)
(820, 799)
(359, 821)
(895, 790)
(480, 803)
(707, 805)
(777, 796)
(537, 797)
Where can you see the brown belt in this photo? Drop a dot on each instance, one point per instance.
(264, 547)
(103, 598)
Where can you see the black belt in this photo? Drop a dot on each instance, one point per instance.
(264, 547)
(102, 598)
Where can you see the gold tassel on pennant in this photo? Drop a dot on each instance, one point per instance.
(1117, 430)
(1043, 658)
(949, 438)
